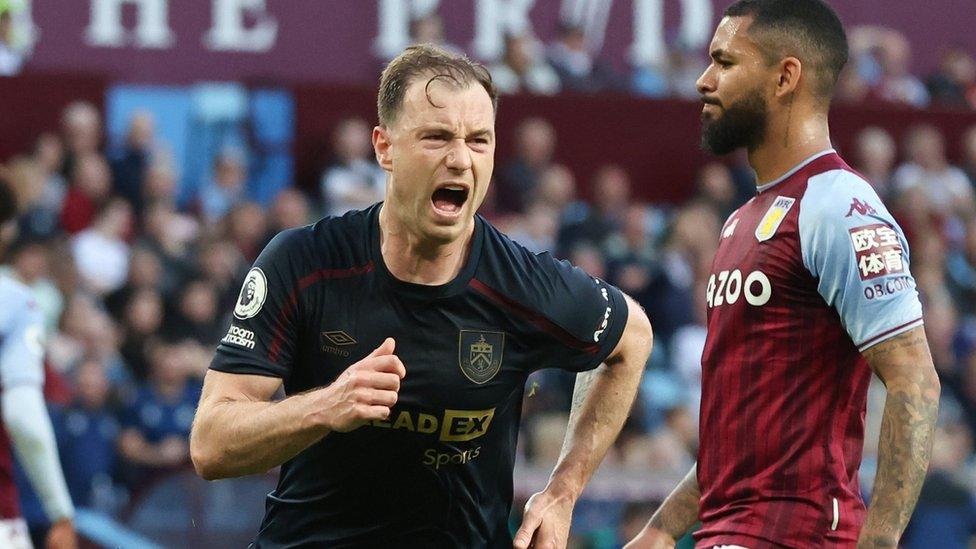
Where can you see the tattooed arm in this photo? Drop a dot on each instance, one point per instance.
(601, 403)
(904, 365)
(673, 518)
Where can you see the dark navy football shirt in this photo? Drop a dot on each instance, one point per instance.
(438, 472)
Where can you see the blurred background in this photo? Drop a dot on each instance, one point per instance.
(157, 145)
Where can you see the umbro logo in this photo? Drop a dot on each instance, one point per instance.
(334, 342)
(338, 337)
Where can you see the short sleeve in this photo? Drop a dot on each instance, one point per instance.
(584, 314)
(261, 337)
(857, 252)
(22, 347)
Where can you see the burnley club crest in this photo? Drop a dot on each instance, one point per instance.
(480, 354)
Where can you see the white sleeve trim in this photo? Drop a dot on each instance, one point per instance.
(888, 334)
(26, 419)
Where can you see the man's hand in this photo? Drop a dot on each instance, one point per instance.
(364, 392)
(62, 535)
(651, 538)
(545, 524)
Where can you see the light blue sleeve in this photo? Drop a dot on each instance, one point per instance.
(21, 337)
(857, 252)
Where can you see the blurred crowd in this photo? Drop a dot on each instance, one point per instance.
(879, 72)
(137, 288)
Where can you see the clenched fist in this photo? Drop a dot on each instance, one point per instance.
(364, 392)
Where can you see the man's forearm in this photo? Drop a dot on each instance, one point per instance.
(602, 400)
(252, 437)
(679, 512)
(904, 449)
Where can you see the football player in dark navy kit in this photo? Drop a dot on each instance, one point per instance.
(403, 335)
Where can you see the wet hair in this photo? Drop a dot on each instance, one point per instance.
(809, 30)
(434, 63)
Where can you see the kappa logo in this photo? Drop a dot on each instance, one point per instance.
(253, 294)
(861, 207)
(480, 354)
(774, 217)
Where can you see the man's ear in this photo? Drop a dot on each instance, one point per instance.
(381, 146)
(790, 71)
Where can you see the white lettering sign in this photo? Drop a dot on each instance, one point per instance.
(229, 32)
(151, 31)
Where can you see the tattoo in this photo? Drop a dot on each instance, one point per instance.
(789, 118)
(899, 343)
(679, 512)
(907, 428)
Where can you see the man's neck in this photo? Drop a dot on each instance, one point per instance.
(799, 137)
(411, 259)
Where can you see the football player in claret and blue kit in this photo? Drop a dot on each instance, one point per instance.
(810, 291)
(403, 335)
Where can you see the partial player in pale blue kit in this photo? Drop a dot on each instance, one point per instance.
(26, 427)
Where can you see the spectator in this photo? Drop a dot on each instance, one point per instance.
(685, 260)
(48, 156)
(226, 186)
(159, 183)
(524, 68)
(195, 317)
(156, 422)
(142, 318)
(517, 179)
(67, 346)
(101, 252)
(81, 128)
(969, 154)
(874, 157)
(961, 272)
(557, 190)
(588, 257)
(575, 65)
(145, 273)
(86, 431)
(353, 180)
(897, 84)
(954, 84)
(223, 265)
(717, 189)
(429, 29)
(290, 210)
(90, 188)
(130, 163)
(946, 186)
(611, 192)
(169, 235)
(247, 226)
(632, 254)
(537, 229)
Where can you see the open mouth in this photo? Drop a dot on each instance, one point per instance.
(449, 199)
